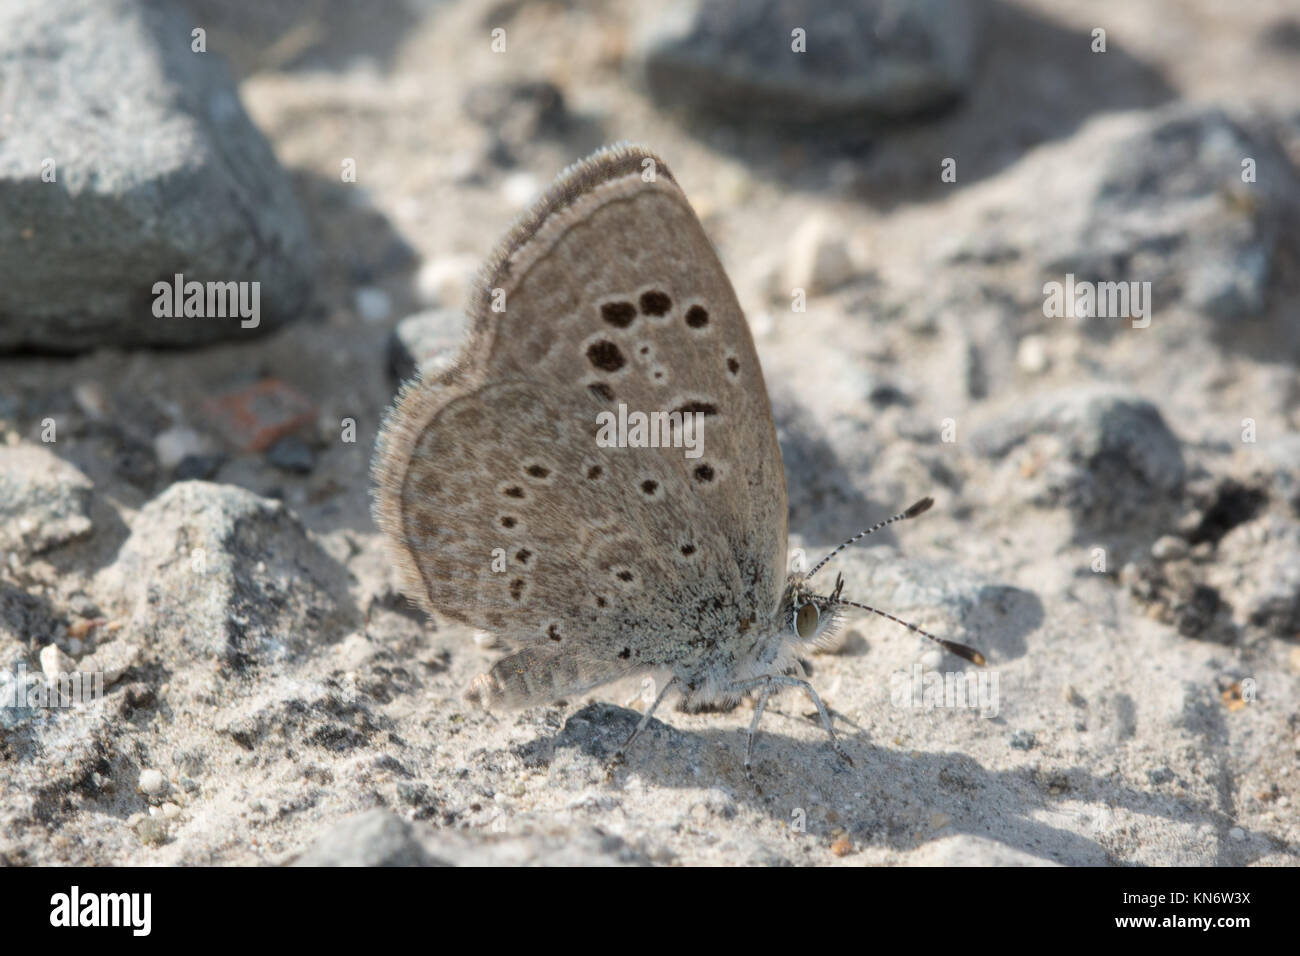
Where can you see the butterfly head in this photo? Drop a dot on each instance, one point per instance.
(810, 617)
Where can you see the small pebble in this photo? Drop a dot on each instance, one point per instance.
(1031, 354)
(519, 188)
(152, 782)
(198, 467)
(1023, 740)
(292, 454)
(373, 304)
(54, 662)
(151, 831)
(173, 445)
(1237, 833)
(443, 282)
(817, 258)
(1169, 548)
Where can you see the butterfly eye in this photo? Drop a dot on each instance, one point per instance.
(805, 621)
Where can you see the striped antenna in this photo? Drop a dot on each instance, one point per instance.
(921, 507)
(961, 650)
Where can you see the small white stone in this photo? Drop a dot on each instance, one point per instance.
(817, 258)
(1031, 354)
(152, 782)
(373, 304)
(519, 189)
(485, 639)
(1237, 833)
(173, 444)
(171, 811)
(54, 662)
(443, 282)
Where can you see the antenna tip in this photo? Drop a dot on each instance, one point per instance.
(921, 507)
(961, 650)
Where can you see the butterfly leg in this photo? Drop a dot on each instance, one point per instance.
(753, 729)
(780, 680)
(645, 719)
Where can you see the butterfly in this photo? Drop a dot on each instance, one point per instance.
(594, 560)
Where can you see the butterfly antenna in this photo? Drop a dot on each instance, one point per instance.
(921, 507)
(961, 650)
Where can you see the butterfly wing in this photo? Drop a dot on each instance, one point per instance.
(504, 508)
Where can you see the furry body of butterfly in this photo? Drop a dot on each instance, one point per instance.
(617, 560)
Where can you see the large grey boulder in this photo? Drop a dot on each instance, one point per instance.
(853, 57)
(156, 170)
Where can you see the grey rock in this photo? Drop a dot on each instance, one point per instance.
(1023, 740)
(373, 838)
(1109, 457)
(426, 341)
(159, 171)
(1259, 566)
(879, 57)
(1280, 463)
(198, 467)
(44, 501)
(213, 573)
(292, 454)
(1166, 203)
(962, 849)
(1169, 548)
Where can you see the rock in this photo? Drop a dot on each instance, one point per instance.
(373, 838)
(520, 189)
(254, 417)
(152, 831)
(426, 341)
(1031, 354)
(152, 783)
(112, 659)
(1103, 453)
(965, 850)
(1169, 548)
(158, 172)
(198, 467)
(372, 304)
(174, 445)
(216, 575)
(444, 282)
(818, 258)
(293, 455)
(1259, 566)
(1023, 740)
(55, 663)
(1161, 198)
(863, 57)
(1279, 464)
(44, 501)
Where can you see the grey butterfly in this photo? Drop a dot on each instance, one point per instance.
(595, 563)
